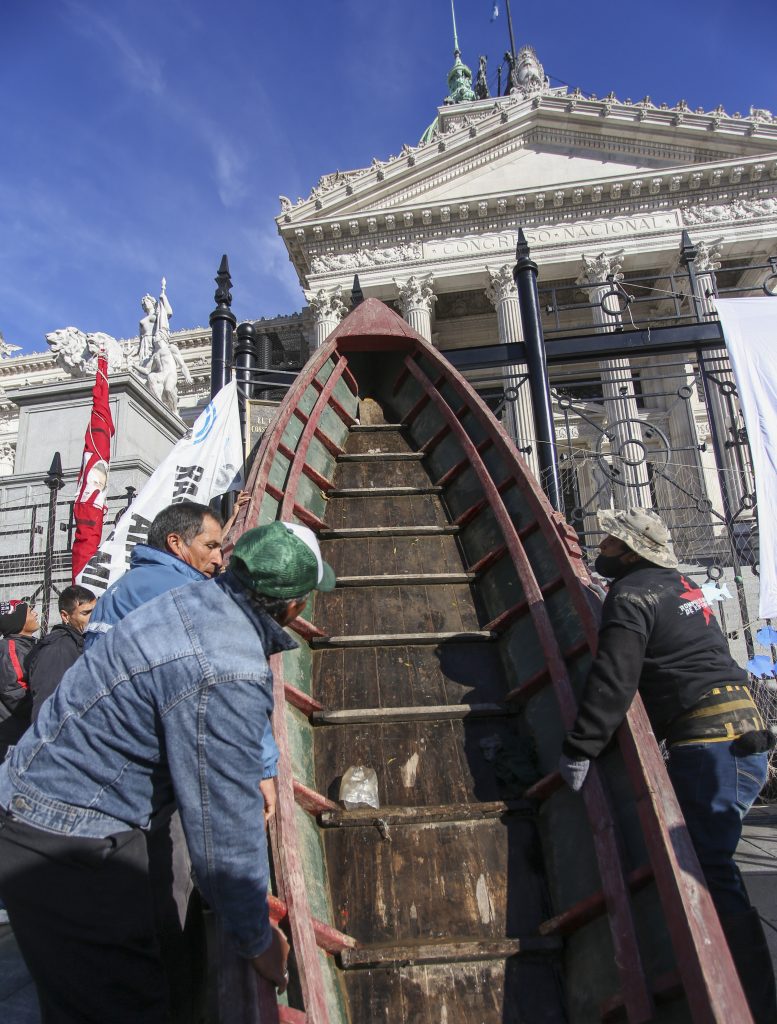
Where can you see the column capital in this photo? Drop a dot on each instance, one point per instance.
(501, 284)
(327, 305)
(707, 257)
(416, 293)
(596, 269)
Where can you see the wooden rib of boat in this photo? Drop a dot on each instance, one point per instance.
(449, 660)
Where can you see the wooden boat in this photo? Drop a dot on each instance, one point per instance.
(448, 660)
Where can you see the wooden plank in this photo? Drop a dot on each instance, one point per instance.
(327, 938)
(666, 988)
(439, 713)
(372, 428)
(381, 457)
(389, 531)
(395, 639)
(363, 817)
(461, 951)
(288, 1015)
(531, 686)
(287, 859)
(501, 622)
(710, 978)
(459, 467)
(301, 700)
(489, 559)
(627, 954)
(436, 880)
(382, 492)
(310, 800)
(307, 469)
(425, 579)
(306, 629)
(593, 906)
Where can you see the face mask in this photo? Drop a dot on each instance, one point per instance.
(610, 566)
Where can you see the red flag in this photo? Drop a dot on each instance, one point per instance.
(92, 487)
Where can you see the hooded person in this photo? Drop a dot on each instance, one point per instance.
(18, 624)
(659, 637)
(53, 655)
(172, 708)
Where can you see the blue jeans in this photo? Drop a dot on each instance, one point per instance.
(715, 788)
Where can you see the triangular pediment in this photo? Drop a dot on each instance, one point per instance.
(533, 167)
(496, 148)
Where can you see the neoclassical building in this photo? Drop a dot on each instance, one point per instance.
(603, 190)
(637, 215)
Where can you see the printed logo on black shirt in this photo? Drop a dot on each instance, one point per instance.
(696, 601)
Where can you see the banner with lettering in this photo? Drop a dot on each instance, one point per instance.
(205, 463)
(750, 330)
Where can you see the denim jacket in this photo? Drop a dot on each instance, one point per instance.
(151, 573)
(172, 707)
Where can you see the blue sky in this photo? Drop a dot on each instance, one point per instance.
(143, 139)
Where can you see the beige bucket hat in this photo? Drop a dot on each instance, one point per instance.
(643, 531)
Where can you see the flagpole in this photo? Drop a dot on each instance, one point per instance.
(510, 30)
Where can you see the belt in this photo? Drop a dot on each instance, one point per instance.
(722, 715)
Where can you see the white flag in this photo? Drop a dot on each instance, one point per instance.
(205, 463)
(750, 329)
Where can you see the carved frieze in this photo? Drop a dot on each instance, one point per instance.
(740, 209)
(363, 258)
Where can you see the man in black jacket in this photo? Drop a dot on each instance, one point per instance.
(58, 650)
(659, 636)
(18, 623)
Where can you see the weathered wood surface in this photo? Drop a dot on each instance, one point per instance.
(423, 876)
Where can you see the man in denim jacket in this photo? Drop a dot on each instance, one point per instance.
(173, 707)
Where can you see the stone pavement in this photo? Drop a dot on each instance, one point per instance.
(18, 1002)
(757, 859)
(756, 856)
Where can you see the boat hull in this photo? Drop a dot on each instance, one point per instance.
(450, 660)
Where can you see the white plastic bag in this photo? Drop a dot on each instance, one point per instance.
(359, 788)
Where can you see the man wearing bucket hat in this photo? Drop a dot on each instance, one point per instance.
(172, 707)
(658, 635)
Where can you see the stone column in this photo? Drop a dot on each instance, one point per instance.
(629, 453)
(739, 476)
(328, 311)
(519, 415)
(416, 301)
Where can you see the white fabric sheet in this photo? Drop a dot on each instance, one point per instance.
(750, 329)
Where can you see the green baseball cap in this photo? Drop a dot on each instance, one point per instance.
(281, 560)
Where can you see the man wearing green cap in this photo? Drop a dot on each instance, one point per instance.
(173, 707)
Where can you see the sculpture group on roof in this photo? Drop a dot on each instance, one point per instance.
(156, 358)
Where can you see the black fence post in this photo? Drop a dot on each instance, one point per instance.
(54, 480)
(688, 253)
(245, 365)
(222, 326)
(357, 295)
(525, 275)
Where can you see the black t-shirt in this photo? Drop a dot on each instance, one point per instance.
(658, 633)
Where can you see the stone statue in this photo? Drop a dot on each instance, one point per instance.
(509, 76)
(481, 83)
(6, 349)
(528, 76)
(77, 352)
(158, 359)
